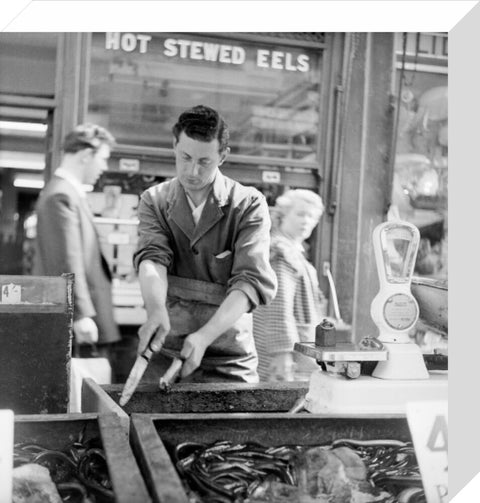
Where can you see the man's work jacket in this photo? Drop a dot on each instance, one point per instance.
(228, 249)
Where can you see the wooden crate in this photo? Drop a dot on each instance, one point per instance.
(154, 437)
(55, 431)
(194, 398)
(35, 341)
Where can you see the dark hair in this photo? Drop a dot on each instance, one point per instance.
(87, 136)
(204, 124)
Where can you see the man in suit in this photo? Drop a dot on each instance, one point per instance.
(67, 241)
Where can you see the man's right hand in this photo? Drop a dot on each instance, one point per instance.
(158, 326)
(85, 330)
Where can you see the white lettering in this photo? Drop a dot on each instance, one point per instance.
(303, 63)
(170, 45)
(277, 60)
(262, 58)
(288, 63)
(210, 51)
(225, 56)
(112, 40)
(143, 40)
(196, 50)
(184, 44)
(238, 55)
(128, 42)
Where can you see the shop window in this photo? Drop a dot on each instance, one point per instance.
(420, 184)
(269, 94)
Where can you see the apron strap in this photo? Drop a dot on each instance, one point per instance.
(196, 290)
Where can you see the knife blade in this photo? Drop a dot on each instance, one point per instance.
(135, 375)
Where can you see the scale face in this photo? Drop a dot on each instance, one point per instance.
(400, 312)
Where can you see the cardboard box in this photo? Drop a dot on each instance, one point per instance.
(36, 315)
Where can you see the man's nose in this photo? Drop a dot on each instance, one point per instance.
(195, 168)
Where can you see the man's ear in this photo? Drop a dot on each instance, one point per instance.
(224, 155)
(175, 142)
(85, 155)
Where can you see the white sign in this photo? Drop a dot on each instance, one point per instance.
(11, 294)
(129, 164)
(271, 176)
(6, 454)
(118, 238)
(199, 50)
(428, 422)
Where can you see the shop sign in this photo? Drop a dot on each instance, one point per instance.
(201, 50)
(428, 422)
(6, 454)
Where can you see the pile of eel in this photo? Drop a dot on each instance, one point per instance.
(76, 474)
(344, 471)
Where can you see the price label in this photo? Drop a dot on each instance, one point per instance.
(6, 454)
(129, 165)
(271, 177)
(428, 422)
(118, 238)
(11, 294)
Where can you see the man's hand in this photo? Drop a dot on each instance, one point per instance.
(86, 331)
(194, 348)
(281, 367)
(157, 325)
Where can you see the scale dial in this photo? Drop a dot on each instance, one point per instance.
(400, 311)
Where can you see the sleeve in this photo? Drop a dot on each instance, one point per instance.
(279, 317)
(251, 269)
(61, 227)
(153, 234)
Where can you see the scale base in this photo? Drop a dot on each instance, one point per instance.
(330, 394)
(405, 361)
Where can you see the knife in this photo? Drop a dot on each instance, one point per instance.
(135, 375)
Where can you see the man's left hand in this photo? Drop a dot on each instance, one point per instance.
(194, 348)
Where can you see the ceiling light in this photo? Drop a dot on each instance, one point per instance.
(25, 182)
(22, 160)
(34, 127)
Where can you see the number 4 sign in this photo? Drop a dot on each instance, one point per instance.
(428, 422)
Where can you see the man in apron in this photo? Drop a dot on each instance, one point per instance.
(203, 259)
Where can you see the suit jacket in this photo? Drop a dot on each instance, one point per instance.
(67, 242)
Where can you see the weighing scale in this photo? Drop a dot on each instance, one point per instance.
(400, 375)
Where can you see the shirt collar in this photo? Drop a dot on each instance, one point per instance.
(62, 173)
(219, 190)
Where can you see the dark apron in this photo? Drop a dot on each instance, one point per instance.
(231, 358)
